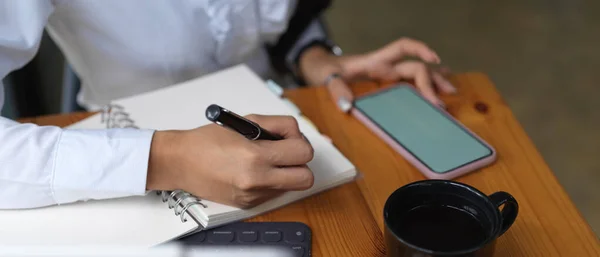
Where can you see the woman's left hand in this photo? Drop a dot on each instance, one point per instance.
(385, 64)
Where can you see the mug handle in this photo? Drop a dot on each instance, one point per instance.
(510, 210)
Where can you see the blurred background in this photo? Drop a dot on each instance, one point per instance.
(543, 56)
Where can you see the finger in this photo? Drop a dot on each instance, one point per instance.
(287, 152)
(419, 72)
(246, 200)
(285, 126)
(444, 71)
(442, 83)
(264, 195)
(341, 94)
(399, 49)
(290, 178)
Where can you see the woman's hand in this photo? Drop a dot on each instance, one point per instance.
(385, 64)
(220, 165)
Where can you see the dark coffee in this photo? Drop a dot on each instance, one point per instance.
(446, 218)
(443, 228)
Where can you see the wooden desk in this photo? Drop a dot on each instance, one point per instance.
(347, 221)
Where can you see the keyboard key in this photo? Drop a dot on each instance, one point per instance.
(221, 236)
(271, 236)
(294, 236)
(248, 236)
(299, 250)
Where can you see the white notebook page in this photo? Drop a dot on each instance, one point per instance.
(238, 89)
(141, 221)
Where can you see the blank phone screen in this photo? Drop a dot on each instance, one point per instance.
(423, 130)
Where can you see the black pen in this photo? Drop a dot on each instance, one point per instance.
(229, 119)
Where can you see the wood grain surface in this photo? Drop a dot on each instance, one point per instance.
(348, 220)
(548, 223)
(60, 120)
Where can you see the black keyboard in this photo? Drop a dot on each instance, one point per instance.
(291, 235)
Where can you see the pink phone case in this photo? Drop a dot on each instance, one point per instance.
(412, 159)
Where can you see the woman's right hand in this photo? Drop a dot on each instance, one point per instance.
(220, 165)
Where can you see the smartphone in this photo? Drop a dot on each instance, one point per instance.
(427, 136)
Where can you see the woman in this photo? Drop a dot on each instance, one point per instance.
(122, 48)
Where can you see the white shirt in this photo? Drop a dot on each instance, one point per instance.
(118, 48)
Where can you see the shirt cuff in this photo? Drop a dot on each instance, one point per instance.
(100, 164)
(314, 31)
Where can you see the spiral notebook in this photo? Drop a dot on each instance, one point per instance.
(161, 216)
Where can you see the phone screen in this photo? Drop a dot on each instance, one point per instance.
(423, 130)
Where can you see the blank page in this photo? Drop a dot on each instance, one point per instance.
(141, 221)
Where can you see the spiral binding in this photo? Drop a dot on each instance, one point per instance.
(115, 116)
(174, 200)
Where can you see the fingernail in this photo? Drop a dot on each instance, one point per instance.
(344, 104)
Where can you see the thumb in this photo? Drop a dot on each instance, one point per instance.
(340, 94)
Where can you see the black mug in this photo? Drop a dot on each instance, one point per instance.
(445, 218)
